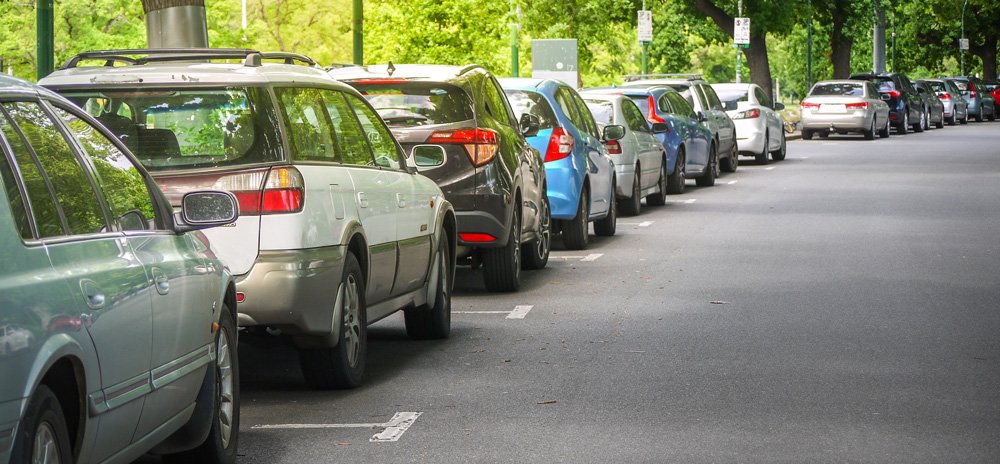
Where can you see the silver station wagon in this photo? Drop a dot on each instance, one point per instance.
(118, 322)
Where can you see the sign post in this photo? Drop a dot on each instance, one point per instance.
(645, 34)
(741, 39)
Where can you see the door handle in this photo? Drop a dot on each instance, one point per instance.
(400, 200)
(362, 200)
(160, 281)
(92, 294)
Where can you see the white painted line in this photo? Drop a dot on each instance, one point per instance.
(567, 256)
(396, 427)
(646, 223)
(733, 182)
(690, 201)
(804, 157)
(520, 311)
(769, 169)
(480, 312)
(592, 257)
(316, 426)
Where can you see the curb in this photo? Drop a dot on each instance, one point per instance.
(793, 136)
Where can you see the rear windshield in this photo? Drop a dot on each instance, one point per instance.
(962, 85)
(603, 111)
(839, 89)
(936, 86)
(991, 86)
(184, 129)
(733, 95)
(532, 103)
(407, 104)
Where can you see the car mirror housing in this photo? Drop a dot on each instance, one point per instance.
(529, 125)
(204, 209)
(613, 132)
(701, 116)
(779, 106)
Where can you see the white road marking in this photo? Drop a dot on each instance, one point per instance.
(592, 257)
(566, 257)
(393, 429)
(480, 312)
(804, 157)
(646, 223)
(690, 201)
(640, 224)
(733, 182)
(769, 169)
(520, 311)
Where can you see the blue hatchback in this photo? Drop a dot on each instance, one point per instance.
(580, 175)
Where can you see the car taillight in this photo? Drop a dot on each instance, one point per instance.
(945, 96)
(857, 106)
(282, 191)
(481, 145)
(652, 117)
(893, 93)
(560, 145)
(614, 148)
(809, 105)
(748, 114)
(472, 237)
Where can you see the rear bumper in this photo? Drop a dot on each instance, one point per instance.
(294, 290)
(844, 122)
(563, 190)
(750, 134)
(481, 222)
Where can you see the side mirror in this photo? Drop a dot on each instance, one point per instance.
(660, 128)
(779, 106)
(701, 116)
(428, 156)
(529, 125)
(206, 208)
(613, 132)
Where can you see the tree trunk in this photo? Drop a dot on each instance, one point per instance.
(176, 23)
(760, 69)
(840, 46)
(988, 53)
(153, 5)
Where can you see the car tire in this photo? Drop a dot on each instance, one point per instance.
(502, 266)
(940, 123)
(607, 226)
(807, 135)
(904, 127)
(633, 206)
(711, 171)
(965, 120)
(951, 121)
(535, 255)
(223, 438)
(824, 134)
(576, 231)
(659, 198)
(870, 132)
(919, 125)
(761, 158)
(43, 424)
(979, 117)
(779, 154)
(342, 366)
(732, 162)
(433, 322)
(677, 180)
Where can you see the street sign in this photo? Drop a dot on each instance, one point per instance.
(645, 26)
(963, 44)
(741, 31)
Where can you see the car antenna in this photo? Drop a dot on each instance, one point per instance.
(390, 68)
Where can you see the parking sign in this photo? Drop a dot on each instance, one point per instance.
(645, 26)
(741, 33)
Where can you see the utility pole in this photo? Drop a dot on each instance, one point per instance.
(961, 41)
(739, 49)
(894, 42)
(878, 40)
(809, 54)
(44, 25)
(645, 49)
(515, 12)
(244, 21)
(359, 35)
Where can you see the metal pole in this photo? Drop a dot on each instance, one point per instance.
(961, 51)
(514, 63)
(739, 50)
(809, 54)
(359, 36)
(645, 49)
(44, 26)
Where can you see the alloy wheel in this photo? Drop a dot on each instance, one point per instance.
(45, 450)
(542, 244)
(224, 363)
(352, 321)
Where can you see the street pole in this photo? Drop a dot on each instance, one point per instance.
(244, 20)
(739, 50)
(515, 25)
(878, 40)
(645, 49)
(44, 26)
(961, 51)
(359, 36)
(809, 54)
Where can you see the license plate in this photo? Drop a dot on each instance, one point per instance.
(833, 109)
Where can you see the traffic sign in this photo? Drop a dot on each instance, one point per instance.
(963, 44)
(741, 31)
(645, 26)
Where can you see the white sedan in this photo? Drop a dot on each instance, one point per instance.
(759, 126)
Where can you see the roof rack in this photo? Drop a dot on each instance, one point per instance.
(636, 77)
(128, 56)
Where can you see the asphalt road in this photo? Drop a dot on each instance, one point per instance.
(840, 306)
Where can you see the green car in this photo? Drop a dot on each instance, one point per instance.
(117, 332)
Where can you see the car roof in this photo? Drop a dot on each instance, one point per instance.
(630, 90)
(841, 81)
(433, 72)
(10, 85)
(733, 86)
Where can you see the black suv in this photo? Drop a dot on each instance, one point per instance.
(906, 106)
(457, 125)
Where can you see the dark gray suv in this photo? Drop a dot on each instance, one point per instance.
(457, 125)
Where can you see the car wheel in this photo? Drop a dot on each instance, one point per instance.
(632, 206)
(965, 120)
(659, 198)
(502, 266)
(42, 436)
(993, 115)
(807, 135)
(905, 126)
(576, 231)
(606, 227)
(434, 321)
(952, 120)
(940, 123)
(870, 132)
(824, 134)
(761, 158)
(779, 154)
(536, 253)
(711, 171)
(919, 125)
(675, 183)
(342, 366)
(732, 161)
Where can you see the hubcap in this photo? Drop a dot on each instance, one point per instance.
(224, 362)
(44, 449)
(352, 321)
(542, 247)
(516, 239)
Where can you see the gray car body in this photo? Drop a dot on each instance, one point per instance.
(933, 105)
(982, 105)
(955, 107)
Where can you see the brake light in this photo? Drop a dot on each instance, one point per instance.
(614, 148)
(652, 117)
(945, 96)
(893, 93)
(857, 106)
(472, 237)
(283, 191)
(480, 144)
(560, 145)
(809, 105)
(748, 114)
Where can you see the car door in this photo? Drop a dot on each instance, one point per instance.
(187, 287)
(601, 168)
(724, 125)
(695, 137)
(103, 276)
(414, 216)
(649, 149)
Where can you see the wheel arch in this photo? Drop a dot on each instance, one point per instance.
(67, 380)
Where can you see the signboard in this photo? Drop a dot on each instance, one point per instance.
(741, 31)
(645, 26)
(555, 59)
(963, 44)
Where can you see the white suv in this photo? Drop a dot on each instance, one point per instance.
(336, 228)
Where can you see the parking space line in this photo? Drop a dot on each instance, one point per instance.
(592, 257)
(769, 169)
(393, 429)
(520, 311)
(692, 200)
(480, 312)
(732, 182)
(640, 224)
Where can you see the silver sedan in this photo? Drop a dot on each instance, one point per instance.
(844, 106)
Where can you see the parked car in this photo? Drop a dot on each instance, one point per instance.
(980, 101)
(708, 110)
(935, 109)
(906, 107)
(844, 106)
(580, 175)
(760, 129)
(955, 108)
(495, 179)
(637, 147)
(993, 87)
(337, 230)
(688, 143)
(151, 365)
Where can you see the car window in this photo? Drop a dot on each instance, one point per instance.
(14, 198)
(45, 213)
(761, 97)
(414, 103)
(532, 103)
(585, 116)
(353, 147)
(663, 104)
(603, 111)
(642, 102)
(681, 106)
(711, 98)
(73, 189)
(125, 190)
(633, 118)
(565, 101)
(847, 89)
(310, 133)
(494, 102)
(383, 145)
